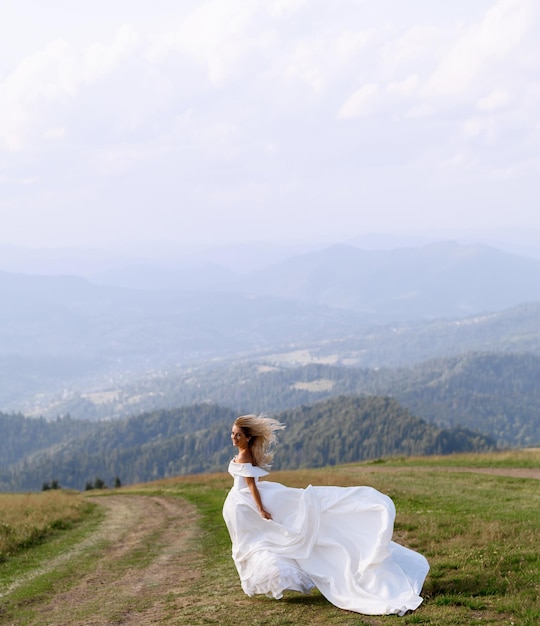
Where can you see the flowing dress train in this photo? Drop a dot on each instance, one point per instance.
(338, 539)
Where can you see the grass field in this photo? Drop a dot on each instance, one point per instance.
(29, 519)
(480, 533)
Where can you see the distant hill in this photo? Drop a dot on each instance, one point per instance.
(197, 439)
(439, 280)
(496, 394)
(60, 316)
(202, 278)
(423, 281)
(348, 429)
(56, 331)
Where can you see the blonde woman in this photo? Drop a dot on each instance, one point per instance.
(338, 539)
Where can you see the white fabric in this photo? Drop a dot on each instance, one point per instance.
(338, 539)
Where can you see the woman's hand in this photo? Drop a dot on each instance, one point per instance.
(265, 515)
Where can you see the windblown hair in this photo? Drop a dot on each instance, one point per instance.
(262, 433)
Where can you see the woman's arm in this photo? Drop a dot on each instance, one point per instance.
(257, 497)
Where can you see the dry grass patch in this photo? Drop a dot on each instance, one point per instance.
(27, 519)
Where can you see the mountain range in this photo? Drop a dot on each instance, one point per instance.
(365, 307)
(437, 280)
(443, 280)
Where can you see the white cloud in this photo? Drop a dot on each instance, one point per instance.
(101, 59)
(50, 79)
(279, 8)
(350, 43)
(362, 102)
(479, 64)
(405, 87)
(54, 133)
(43, 76)
(416, 48)
(481, 126)
(218, 36)
(481, 47)
(494, 101)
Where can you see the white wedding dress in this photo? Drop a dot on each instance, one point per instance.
(338, 539)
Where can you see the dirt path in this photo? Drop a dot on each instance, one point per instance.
(142, 573)
(511, 472)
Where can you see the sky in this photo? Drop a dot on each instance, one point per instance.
(276, 120)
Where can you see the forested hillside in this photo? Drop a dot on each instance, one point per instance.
(497, 394)
(21, 436)
(137, 449)
(494, 394)
(197, 439)
(348, 429)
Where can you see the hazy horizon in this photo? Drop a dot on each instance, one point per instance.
(240, 256)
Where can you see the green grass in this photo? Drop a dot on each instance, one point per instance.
(479, 532)
(27, 563)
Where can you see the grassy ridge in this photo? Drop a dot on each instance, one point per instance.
(479, 532)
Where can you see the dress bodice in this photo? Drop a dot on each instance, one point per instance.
(241, 471)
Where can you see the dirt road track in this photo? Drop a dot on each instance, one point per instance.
(143, 571)
(512, 472)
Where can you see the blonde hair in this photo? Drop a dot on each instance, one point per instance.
(261, 431)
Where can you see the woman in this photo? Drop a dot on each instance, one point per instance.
(338, 539)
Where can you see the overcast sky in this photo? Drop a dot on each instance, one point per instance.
(234, 120)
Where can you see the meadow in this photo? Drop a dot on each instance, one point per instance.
(28, 519)
(480, 532)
